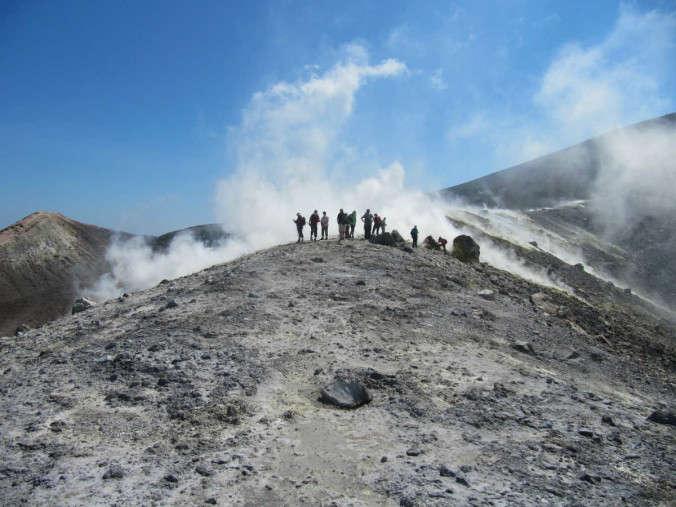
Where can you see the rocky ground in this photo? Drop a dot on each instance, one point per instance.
(486, 389)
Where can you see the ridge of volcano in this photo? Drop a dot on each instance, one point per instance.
(486, 388)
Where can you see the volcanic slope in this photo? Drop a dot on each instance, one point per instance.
(566, 175)
(487, 389)
(44, 258)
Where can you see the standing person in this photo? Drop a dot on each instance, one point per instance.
(314, 220)
(353, 222)
(414, 235)
(383, 225)
(376, 224)
(367, 218)
(300, 223)
(442, 242)
(342, 219)
(325, 226)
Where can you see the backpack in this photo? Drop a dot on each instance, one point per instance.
(302, 221)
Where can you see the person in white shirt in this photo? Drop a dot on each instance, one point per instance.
(325, 226)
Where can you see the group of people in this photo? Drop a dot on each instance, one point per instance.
(373, 224)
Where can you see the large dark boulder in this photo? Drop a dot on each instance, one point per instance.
(345, 394)
(466, 249)
(388, 239)
(398, 239)
(431, 243)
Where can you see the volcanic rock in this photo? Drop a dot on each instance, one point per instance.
(663, 418)
(430, 243)
(466, 249)
(346, 394)
(82, 304)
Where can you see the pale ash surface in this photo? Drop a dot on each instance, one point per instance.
(479, 396)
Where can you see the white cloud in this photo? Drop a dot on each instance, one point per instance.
(437, 80)
(589, 90)
(476, 125)
(284, 147)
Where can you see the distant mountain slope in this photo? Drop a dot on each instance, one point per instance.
(630, 237)
(565, 175)
(210, 235)
(46, 258)
(43, 259)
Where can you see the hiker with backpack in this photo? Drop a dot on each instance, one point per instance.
(342, 222)
(414, 235)
(325, 226)
(300, 223)
(377, 221)
(383, 225)
(443, 242)
(367, 218)
(314, 220)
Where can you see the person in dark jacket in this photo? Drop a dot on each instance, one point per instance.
(367, 218)
(443, 242)
(300, 223)
(342, 222)
(414, 235)
(314, 220)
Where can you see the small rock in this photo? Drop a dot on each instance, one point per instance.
(360, 282)
(211, 501)
(344, 394)
(524, 347)
(462, 480)
(114, 472)
(606, 419)
(444, 471)
(573, 355)
(591, 479)
(171, 478)
(383, 459)
(172, 304)
(413, 452)
(487, 294)
(204, 471)
(82, 304)
(541, 301)
(253, 296)
(317, 259)
(663, 418)
(23, 328)
(586, 432)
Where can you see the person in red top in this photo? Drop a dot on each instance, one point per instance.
(314, 220)
(443, 242)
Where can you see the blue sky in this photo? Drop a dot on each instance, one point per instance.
(144, 116)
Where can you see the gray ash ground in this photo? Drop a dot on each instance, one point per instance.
(482, 393)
